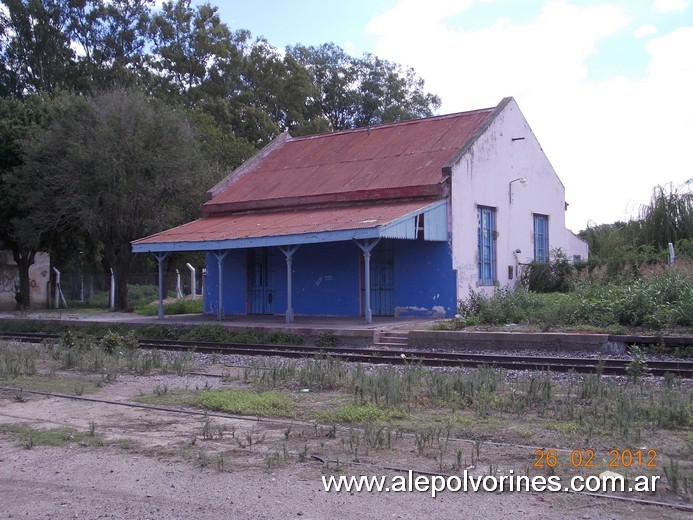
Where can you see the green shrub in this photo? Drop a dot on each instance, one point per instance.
(177, 307)
(139, 295)
(220, 334)
(326, 340)
(556, 275)
(70, 340)
(664, 299)
(114, 342)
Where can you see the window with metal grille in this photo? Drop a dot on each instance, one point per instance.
(486, 231)
(541, 238)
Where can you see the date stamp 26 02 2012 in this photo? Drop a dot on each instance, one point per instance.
(586, 458)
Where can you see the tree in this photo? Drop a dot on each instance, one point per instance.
(120, 165)
(367, 91)
(334, 74)
(191, 48)
(389, 92)
(277, 95)
(668, 217)
(112, 38)
(18, 230)
(224, 149)
(36, 53)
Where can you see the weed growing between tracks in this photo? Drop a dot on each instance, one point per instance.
(204, 332)
(597, 407)
(101, 360)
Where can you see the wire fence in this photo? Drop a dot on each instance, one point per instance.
(93, 288)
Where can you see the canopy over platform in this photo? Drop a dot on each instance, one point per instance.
(401, 220)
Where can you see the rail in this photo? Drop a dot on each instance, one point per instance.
(403, 356)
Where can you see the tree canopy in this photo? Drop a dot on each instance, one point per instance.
(118, 165)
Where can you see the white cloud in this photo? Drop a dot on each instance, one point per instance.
(408, 14)
(610, 141)
(667, 6)
(481, 66)
(645, 30)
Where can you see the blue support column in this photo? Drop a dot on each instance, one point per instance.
(160, 257)
(367, 247)
(289, 254)
(220, 264)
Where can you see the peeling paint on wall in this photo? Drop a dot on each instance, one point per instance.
(420, 312)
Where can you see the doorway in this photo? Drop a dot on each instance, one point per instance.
(260, 289)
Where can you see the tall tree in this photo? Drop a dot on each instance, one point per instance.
(111, 38)
(389, 92)
(37, 55)
(121, 165)
(76, 45)
(278, 85)
(191, 47)
(357, 92)
(18, 229)
(334, 73)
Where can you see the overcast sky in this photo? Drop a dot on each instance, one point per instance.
(605, 86)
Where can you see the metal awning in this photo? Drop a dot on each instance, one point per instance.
(401, 220)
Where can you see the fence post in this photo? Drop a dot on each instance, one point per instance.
(56, 297)
(58, 291)
(193, 281)
(179, 291)
(111, 294)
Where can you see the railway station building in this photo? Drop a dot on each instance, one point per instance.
(401, 219)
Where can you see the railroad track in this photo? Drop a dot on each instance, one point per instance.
(683, 368)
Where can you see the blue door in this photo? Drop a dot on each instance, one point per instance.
(382, 279)
(259, 282)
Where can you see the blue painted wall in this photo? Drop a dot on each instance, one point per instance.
(234, 287)
(424, 278)
(326, 280)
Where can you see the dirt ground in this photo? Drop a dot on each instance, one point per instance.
(152, 464)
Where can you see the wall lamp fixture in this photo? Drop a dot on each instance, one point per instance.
(523, 181)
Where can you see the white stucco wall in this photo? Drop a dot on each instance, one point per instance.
(577, 247)
(507, 150)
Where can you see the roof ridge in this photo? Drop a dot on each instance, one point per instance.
(394, 123)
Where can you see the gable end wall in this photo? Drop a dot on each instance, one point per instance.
(506, 150)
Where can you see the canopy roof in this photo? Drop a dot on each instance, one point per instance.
(306, 225)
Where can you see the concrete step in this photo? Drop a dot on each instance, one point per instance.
(392, 339)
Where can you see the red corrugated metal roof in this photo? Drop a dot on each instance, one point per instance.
(395, 160)
(262, 224)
